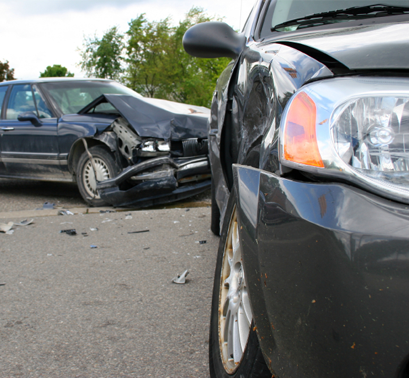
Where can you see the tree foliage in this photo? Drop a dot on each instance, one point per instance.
(156, 64)
(56, 71)
(6, 73)
(103, 58)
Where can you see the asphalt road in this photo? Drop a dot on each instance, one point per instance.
(69, 310)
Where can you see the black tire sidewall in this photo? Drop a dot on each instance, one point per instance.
(100, 152)
(252, 364)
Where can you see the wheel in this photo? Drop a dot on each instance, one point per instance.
(215, 212)
(106, 168)
(234, 350)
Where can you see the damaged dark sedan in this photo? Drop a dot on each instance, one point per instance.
(121, 148)
(309, 141)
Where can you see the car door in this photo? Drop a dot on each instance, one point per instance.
(3, 92)
(29, 149)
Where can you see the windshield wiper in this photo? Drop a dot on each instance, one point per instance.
(353, 13)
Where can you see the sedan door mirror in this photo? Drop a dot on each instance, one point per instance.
(213, 40)
(29, 116)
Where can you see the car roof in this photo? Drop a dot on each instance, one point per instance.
(50, 79)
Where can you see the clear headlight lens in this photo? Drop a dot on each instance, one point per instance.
(354, 128)
(163, 146)
(372, 135)
(151, 148)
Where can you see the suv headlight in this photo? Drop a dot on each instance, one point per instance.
(353, 128)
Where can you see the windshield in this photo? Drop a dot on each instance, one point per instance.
(283, 10)
(72, 96)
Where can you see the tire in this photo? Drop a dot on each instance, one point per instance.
(231, 302)
(215, 212)
(106, 169)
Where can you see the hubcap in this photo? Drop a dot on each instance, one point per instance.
(88, 176)
(235, 315)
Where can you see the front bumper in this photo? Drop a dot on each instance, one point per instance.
(157, 181)
(327, 267)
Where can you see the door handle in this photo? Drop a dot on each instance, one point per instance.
(7, 128)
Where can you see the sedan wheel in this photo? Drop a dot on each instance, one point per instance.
(234, 348)
(105, 168)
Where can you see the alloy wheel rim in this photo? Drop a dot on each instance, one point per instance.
(102, 173)
(235, 316)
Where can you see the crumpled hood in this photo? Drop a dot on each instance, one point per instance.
(159, 118)
(381, 46)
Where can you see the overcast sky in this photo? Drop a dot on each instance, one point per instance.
(35, 34)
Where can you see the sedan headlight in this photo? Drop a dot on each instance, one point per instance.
(151, 148)
(354, 128)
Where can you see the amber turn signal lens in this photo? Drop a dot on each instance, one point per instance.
(300, 138)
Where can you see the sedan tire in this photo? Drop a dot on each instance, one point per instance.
(106, 168)
(234, 349)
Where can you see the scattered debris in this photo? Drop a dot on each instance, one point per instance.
(24, 222)
(84, 234)
(137, 232)
(93, 229)
(65, 212)
(201, 242)
(187, 209)
(181, 279)
(183, 236)
(129, 216)
(106, 220)
(49, 254)
(107, 211)
(69, 232)
(47, 206)
(176, 222)
(93, 246)
(2, 284)
(6, 227)
(147, 248)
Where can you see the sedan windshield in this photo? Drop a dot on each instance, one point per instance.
(281, 11)
(72, 96)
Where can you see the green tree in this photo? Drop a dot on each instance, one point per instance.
(6, 73)
(192, 80)
(103, 58)
(158, 66)
(56, 71)
(147, 50)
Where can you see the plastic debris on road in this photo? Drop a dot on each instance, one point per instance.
(24, 222)
(47, 206)
(93, 246)
(129, 216)
(137, 232)
(181, 279)
(201, 242)
(65, 212)
(6, 227)
(93, 229)
(70, 232)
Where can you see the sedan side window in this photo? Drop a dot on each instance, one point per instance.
(3, 91)
(21, 100)
(42, 108)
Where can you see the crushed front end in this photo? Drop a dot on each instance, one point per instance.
(156, 170)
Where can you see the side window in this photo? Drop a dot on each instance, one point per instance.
(42, 108)
(21, 100)
(3, 91)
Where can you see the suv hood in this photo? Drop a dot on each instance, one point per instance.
(381, 46)
(153, 118)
